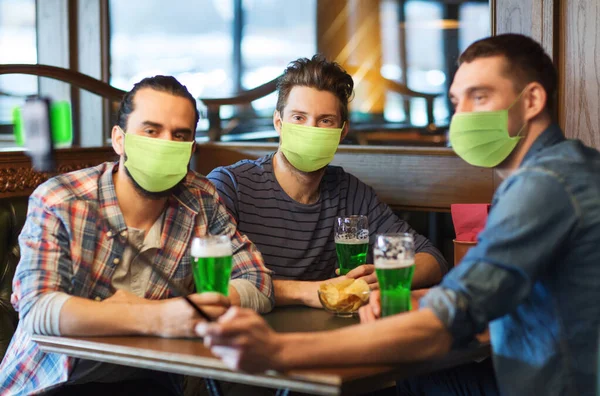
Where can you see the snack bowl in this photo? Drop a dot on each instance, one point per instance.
(344, 298)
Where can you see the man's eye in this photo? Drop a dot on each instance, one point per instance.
(149, 131)
(297, 118)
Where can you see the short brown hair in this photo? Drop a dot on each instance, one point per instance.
(317, 73)
(527, 61)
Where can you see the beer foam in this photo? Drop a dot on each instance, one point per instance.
(215, 250)
(384, 263)
(351, 241)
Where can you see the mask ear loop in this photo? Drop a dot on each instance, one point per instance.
(510, 107)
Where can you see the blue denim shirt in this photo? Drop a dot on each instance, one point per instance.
(534, 275)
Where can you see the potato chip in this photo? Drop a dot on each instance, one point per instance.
(329, 295)
(359, 288)
(343, 283)
(344, 296)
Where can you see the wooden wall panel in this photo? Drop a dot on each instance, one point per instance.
(579, 86)
(534, 18)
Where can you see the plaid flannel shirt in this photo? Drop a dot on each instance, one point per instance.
(69, 243)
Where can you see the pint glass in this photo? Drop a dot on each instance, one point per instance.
(351, 242)
(394, 256)
(211, 263)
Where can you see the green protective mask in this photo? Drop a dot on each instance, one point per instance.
(156, 164)
(481, 138)
(309, 148)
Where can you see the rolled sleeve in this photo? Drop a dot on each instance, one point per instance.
(45, 264)
(248, 263)
(530, 221)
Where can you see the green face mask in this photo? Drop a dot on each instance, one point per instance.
(156, 164)
(481, 138)
(309, 148)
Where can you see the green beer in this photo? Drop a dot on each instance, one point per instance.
(211, 264)
(395, 279)
(351, 253)
(351, 242)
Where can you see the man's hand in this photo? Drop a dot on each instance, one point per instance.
(372, 311)
(178, 319)
(243, 341)
(367, 273)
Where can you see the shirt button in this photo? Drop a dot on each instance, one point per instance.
(98, 298)
(109, 234)
(116, 261)
(123, 233)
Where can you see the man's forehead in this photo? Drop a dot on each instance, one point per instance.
(311, 100)
(488, 71)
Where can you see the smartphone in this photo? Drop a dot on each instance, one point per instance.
(37, 133)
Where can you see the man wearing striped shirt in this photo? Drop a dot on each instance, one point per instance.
(77, 275)
(287, 202)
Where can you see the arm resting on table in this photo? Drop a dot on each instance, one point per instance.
(413, 336)
(289, 292)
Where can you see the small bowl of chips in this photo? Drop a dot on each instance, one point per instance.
(344, 298)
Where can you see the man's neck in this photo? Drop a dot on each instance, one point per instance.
(302, 187)
(514, 160)
(138, 211)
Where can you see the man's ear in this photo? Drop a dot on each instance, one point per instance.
(345, 130)
(118, 139)
(535, 99)
(277, 122)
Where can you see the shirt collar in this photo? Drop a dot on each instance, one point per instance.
(109, 205)
(551, 136)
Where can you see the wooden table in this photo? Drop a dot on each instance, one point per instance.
(190, 357)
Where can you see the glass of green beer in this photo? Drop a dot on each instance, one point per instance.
(394, 256)
(211, 263)
(351, 242)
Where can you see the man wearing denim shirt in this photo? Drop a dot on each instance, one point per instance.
(534, 275)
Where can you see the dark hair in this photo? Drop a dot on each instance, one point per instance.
(316, 73)
(527, 61)
(168, 84)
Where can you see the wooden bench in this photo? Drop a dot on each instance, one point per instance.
(406, 178)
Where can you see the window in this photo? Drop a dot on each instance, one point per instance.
(432, 38)
(275, 34)
(193, 40)
(18, 43)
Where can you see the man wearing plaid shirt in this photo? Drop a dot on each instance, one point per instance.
(78, 277)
